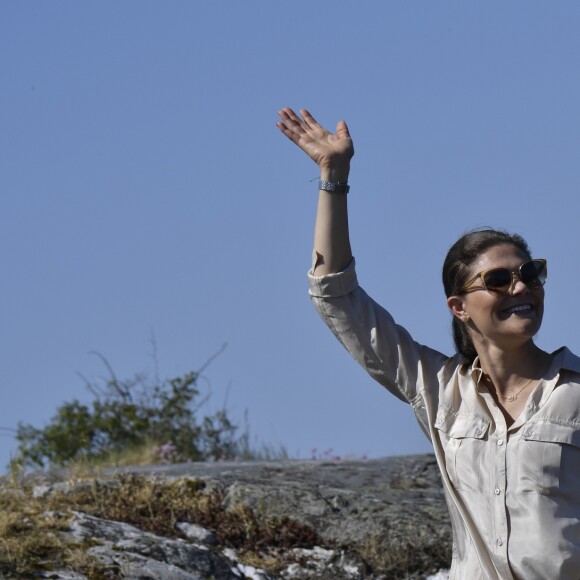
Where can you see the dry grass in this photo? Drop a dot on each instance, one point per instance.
(156, 506)
(30, 528)
(31, 539)
(414, 550)
(144, 454)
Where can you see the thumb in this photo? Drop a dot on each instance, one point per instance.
(342, 130)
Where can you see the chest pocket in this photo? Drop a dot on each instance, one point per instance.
(465, 442)
(548, 460)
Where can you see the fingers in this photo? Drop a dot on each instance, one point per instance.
(309, 119)
(290, 133)
(288, 115)
(293, 121)
(290, 125)
(342, 130)
(294, 127)
(289, 119)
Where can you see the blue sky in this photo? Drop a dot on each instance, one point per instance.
(145, 191)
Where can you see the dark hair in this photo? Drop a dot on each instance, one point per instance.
(456, 271)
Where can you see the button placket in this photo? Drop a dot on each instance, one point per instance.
(499, 510)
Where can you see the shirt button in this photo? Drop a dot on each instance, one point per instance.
(528, 433)
(500, 442)
(497, 492)
(500, 542)
(478, 431)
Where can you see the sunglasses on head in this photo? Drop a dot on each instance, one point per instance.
(532, 273)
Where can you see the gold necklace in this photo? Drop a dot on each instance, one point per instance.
(508, 398)
(512, 398)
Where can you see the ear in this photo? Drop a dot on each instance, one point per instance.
(457, 306)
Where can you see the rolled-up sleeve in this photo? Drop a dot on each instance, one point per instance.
(369, 333)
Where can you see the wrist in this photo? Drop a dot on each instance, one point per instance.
(338, 174)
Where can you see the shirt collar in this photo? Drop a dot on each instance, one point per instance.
(562, 358)
(476, 372)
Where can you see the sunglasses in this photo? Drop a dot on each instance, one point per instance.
(533, 274)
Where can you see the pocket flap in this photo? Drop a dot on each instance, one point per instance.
(552, 432)
(461, 426)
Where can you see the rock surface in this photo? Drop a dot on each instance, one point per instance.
(383, 518)
(133, 553)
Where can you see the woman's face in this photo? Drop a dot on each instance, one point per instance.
(506, 320)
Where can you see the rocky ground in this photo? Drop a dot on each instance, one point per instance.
(378, 519)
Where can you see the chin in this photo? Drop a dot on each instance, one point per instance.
(524, 335)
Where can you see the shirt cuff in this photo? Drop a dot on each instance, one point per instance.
(333, 285)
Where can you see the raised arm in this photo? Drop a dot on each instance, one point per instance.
(332, 153)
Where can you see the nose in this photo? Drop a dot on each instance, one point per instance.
(517, 286)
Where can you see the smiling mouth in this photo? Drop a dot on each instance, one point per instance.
(518, 308)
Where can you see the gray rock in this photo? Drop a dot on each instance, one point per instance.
(138, 554)
(62, 575)
(197, 533)
(380, 519)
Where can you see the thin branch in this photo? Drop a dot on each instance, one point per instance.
(95, 390)
(8, 432)
(123, 391)
(202, 402)
(227, 396)
(106, 363)
(154, 355)
(212, 358)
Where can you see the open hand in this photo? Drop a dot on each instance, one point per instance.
(326, 149)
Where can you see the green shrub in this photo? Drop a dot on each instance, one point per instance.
(127, 414)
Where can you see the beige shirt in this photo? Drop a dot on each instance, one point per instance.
(513, 494)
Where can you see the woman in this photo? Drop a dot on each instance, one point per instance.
(502, 414)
